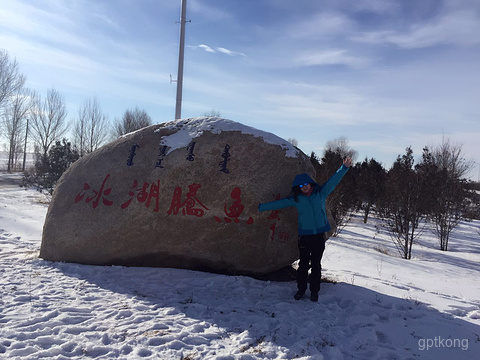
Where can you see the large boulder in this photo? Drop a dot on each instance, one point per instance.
(181, 194)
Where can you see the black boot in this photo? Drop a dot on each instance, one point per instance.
(314, 296)
(299, 294)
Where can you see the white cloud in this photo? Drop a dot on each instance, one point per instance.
(229, 52)
(108, 21)
(330, 57)
(320, 25)
(206, 48)
(30, 22)
(221, 50)
(461, 27)
(52, 57)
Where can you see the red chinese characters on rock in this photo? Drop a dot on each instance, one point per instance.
(149, 193)
(96, 195)
(235, 209)
(275, 215)
(143, 195)
(188, 205)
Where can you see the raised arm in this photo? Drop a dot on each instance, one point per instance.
(277, 204)
(334, 180)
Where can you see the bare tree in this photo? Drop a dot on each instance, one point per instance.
(48, 120)
(132, 120)
(14, 121)
(293, 141)
(402, 206)
(11, 81)
(90, 128)
(212, 113)
(450, 157)
(451, 198)
(340, 146)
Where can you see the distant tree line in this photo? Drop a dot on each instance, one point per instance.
(407, 196)
(26, 117)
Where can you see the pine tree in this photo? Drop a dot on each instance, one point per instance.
(370, 184)
(49, 169)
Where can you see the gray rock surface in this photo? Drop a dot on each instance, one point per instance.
(182, 194)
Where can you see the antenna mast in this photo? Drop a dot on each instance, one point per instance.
(181, 51)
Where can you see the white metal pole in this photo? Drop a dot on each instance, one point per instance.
(181, 51)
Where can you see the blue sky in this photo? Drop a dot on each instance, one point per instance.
(385, 74)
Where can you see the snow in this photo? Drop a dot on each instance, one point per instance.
(189, 129)
(381, 307)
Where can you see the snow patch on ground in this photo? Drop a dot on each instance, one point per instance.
(381, 307)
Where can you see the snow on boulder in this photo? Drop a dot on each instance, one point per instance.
(181, 194)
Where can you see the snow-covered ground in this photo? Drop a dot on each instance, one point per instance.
(381, 307)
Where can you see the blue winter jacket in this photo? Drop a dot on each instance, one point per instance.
(312, 214)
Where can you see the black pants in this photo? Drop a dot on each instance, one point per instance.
(311, 250)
